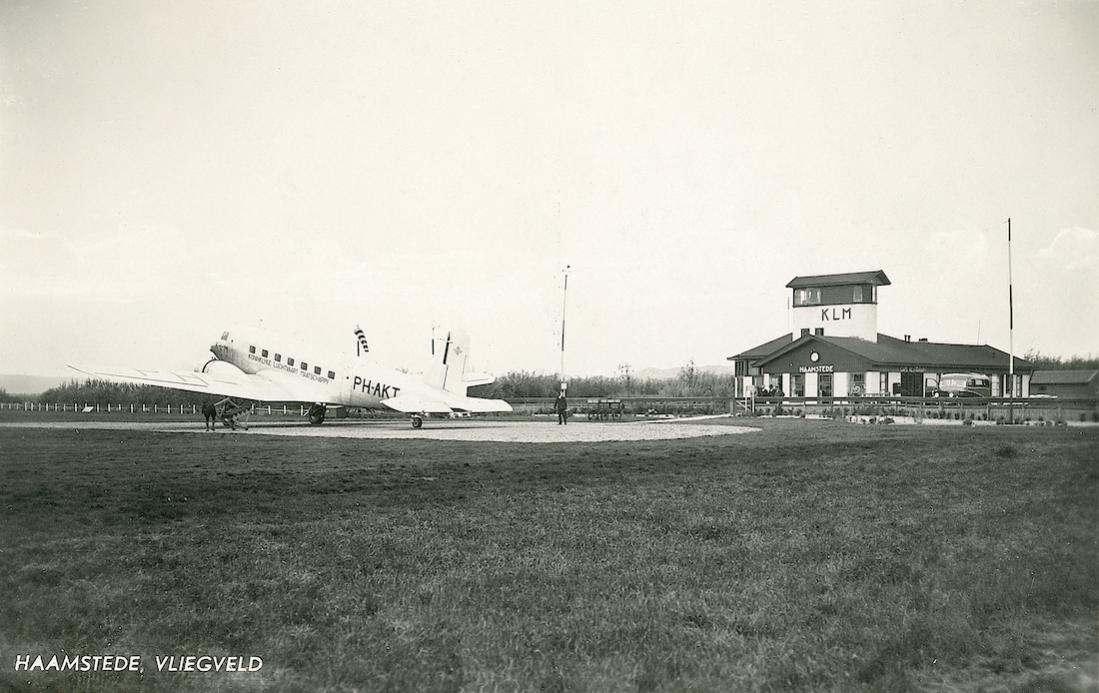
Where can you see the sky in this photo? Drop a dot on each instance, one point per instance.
(170, 170)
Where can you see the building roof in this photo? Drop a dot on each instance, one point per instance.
(890, 351)
(877, 277)
(758, 352)
(1067, 377)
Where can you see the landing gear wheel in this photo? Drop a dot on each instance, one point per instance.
(417, 421)
(316, 414)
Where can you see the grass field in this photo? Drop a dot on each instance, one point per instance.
(811, 556)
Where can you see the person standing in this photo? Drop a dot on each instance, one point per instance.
(210, 412)
(562, 407)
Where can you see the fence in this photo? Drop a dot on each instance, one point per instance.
(155, 408)
(976, 408)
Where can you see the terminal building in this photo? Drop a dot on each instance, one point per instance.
(835, 350)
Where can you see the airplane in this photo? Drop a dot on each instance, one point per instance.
(253, 364)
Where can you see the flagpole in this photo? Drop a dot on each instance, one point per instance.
(564, 305)
(1010, 314)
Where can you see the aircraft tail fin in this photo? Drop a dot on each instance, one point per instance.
(450, 356)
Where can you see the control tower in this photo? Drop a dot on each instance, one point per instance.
(837, 305)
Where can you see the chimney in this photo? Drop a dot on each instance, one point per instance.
(908, 338)
(923, 339)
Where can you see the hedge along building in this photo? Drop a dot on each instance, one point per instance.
(835, 349)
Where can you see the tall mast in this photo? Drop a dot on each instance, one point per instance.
(564, 304)
(1010, 316)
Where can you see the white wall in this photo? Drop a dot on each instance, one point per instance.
(839, 384)
(810, 384)
(873, 383)
(847, 320)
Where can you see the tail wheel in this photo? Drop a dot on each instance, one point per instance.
(417, 421)
(316, 414)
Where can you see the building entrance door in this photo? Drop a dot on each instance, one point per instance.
(911, 384)
(824, 385)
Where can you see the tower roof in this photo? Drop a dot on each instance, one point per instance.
(876, 277)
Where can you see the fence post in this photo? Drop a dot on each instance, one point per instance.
(156, 408)
(284, 409)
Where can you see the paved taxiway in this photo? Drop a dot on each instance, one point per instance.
(464, 430)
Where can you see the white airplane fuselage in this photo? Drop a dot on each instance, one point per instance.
(324, 377)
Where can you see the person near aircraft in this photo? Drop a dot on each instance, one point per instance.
(561, 406)
(210, 413)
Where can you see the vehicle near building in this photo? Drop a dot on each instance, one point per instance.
(964, 385)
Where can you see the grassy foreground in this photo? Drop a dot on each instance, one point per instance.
(811, 556)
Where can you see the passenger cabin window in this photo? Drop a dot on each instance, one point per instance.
(331, 375)
(278, 358)
(304, 366)
(290, 360)
(263, 353)
(316, 370)
(251, 350)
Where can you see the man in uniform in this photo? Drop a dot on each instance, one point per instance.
(210, 412)
(562, 407)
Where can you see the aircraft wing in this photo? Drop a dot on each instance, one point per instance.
(237, 384)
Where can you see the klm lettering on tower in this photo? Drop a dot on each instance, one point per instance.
(833, 314)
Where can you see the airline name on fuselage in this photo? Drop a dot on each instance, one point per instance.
(377, 389)
(289, 369)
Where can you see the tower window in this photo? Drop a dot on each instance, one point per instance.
(807, 297)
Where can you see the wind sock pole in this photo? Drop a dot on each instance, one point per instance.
(1010, 324)
(564, 304)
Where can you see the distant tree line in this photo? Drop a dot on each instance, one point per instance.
(689, 382)
(6, 396)
(1058, 363)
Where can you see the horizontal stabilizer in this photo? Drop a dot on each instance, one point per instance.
(411, 404)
